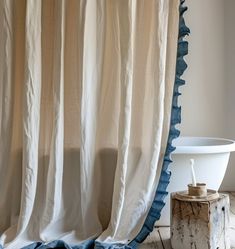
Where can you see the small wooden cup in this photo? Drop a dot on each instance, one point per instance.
(199, 190)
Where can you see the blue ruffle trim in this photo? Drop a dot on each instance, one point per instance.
(88, 244)
(158, 203)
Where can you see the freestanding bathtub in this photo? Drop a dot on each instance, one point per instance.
(211, 156)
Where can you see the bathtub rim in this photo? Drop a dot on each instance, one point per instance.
(227, 147)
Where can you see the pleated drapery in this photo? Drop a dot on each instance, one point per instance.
(86, 91)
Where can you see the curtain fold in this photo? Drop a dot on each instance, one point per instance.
(6, 108)
(93, 46)
(31, 111)
(53, 198)
(86, 91)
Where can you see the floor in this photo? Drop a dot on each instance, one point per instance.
(160, 237)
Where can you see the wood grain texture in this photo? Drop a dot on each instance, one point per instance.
(203, 224)
(160, 237)
(232, 219)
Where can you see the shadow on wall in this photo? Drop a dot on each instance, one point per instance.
(104, 172)
(107, 166)
(103, 179)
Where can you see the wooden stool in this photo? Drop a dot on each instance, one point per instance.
(199, 224)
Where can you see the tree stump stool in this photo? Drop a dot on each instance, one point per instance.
(200, 224)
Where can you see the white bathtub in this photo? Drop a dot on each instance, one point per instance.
(211, 157)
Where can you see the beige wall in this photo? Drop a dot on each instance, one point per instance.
(229, 62)
(208, 100)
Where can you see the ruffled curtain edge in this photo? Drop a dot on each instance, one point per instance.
(161, 193)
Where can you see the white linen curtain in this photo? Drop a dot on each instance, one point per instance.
(85, 102)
